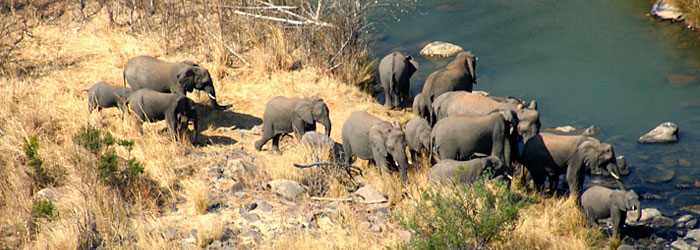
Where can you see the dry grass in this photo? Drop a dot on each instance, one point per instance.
(690, 10)
(47, 102)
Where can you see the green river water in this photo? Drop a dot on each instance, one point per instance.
(586, 62)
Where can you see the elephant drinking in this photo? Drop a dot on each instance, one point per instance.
(395, 71)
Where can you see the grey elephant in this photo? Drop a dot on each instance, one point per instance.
(174, 77)
(417, 136)
(395, 71)
(465, 172)
(367, 137)
(466, 103)
(459, 137)
(104, 95)
(318, 140)
(548, 156)
(177, 110)
(460, 74)
(420, 107)
(600, 202)
(285, 115)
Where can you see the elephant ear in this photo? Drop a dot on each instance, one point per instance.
(304, 112)
(587, 153)
(533, 105)
(617, 198)
(191, 63)
(186, 78)
(510, 117)
(376, 141)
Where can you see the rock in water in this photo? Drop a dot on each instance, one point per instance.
(666, 11)
(667, 132)
(440, 49)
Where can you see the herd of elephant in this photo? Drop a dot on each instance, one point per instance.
(464, 134)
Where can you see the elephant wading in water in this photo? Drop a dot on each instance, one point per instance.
(466, 172)
(459, 137)
(600, 202)
(460, 74)
(395, 71)
(174, 77)
(466, 103)
(104, 95)
(548, 156)
(368, 137)
(177, 110)
(285, 115)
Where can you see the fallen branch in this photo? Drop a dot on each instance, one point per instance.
(346, 200)
(230, 50)
(284, 20)
(321, 163)
(252, 7)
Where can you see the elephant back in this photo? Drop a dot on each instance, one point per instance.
(148, 72)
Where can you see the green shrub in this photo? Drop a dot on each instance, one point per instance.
(31, 150)
(99, 143)
(44, 209)
(469, 216)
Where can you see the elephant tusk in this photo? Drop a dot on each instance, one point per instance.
(614, 175)
(510, 177)
(634, 207)
(212, 96)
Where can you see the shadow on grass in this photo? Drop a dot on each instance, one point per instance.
(209, 116)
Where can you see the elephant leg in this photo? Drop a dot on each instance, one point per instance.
(414, 156)
(553, 183)
(575, 175)
(388, 98)
(538, 176)
(268, 133)
(276, 143)
(347, 152)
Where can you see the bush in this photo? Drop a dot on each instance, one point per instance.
(466, 217)
(44, 209)
(99, 144)
(31, 150)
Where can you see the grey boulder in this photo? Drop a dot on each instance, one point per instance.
(667, 132)
(666, 11)
(440, 49)
(288, 189)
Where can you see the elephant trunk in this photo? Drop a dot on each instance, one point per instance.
(471, 68)
(209, 88)
(402, 161)
(638, 214)
(326, 122)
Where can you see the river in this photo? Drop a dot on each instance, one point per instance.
(586, 62)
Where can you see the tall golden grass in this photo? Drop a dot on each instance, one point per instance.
(69, 52)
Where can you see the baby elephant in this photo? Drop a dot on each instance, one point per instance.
(600, 202)
(177, 110)
(104, 95)
(318, 140)
(285, 115)
(466, 172)
(417, 136)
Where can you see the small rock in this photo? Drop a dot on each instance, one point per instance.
(650, 196)
(169, 233)
(684, 218)
(625, 247)
(263, 206)
(440, 49)
(682, 186)
(693, 234)
(481, 93)
(565, 129)
(591, 131)
(369, 193)
(54, 194)
(666, 11)
(667, 132)
(663, 222)
(247, 208)
(252, 235)
(648, 214)
(215, 244)
(375, 228)
(663, 175)
(405, 236)
(691, 224)
(365, 225)
(257, 129)
(287, 188)
(682, 245)
(250, 217)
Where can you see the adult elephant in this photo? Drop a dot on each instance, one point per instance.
(177, 110)
(285, 115)
(395, 71)
(367, 137)
(460, 74)
(459, 137)
(466, 103)
(174, 77)
(548, 156)
(600, 202)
